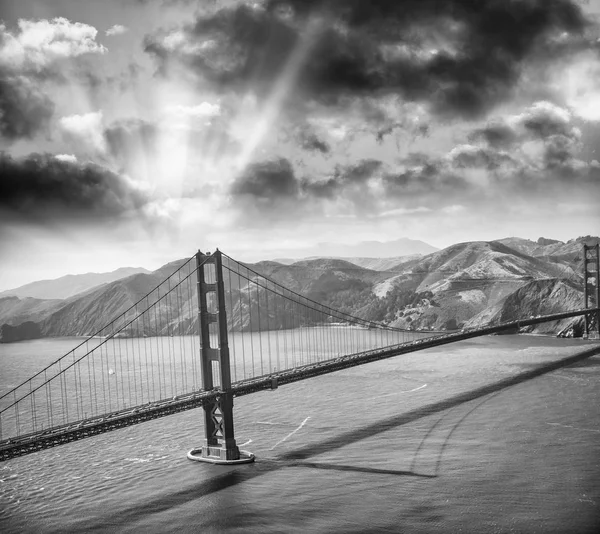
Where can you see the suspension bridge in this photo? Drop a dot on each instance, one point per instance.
(213, 330)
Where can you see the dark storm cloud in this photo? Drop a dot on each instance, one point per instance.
(309, 140)
(274, 184)
(42, 187)
(420, 130)
(24, 111)
(358, 173)
(543, 120)
(268, 181)
(496, 135)
(481, 158)
(346, 179)
(531, 157)
(378, 47)
(560, 153)
(231, 48)
(546, 123)
(428, 182)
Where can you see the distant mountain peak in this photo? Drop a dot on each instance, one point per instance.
(364, 249)
(546, 241)
(71, 284)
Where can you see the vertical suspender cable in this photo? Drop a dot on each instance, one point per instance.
(167, 305)
(231, 317)
(251, 325)
(150, 368)
(262, 371)
(242, 319)
(270, 323)
(114, 375)
(141, 336)
(182, 359)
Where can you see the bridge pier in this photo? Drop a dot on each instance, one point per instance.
(219, 445)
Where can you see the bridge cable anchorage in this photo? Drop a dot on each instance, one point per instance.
(259, 335)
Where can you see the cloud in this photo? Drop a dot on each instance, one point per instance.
(459, 58)
(433, 183)
(360, 119)
(518, 163)
(117, 29)
(38, 43)
(28, 58)
(533, 155)
(273, 189)
(471, 156)
(85, 131)
(308, 139)
(347, 181)
(43, 187)
(69, 158)
(579, 83)
(24, 109)
(495, 134)
(198, 116)
(267, 182)
(127, 139)
(544, 119)
(544, 127)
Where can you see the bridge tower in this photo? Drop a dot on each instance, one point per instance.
(591, 289)
(219, 445)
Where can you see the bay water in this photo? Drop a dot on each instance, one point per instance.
(434, 441)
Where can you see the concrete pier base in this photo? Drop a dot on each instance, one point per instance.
(198, 455)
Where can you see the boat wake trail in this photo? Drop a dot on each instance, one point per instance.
(290, 434)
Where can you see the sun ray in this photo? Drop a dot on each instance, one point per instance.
(284, 84)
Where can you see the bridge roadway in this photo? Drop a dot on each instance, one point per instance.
(58, 435)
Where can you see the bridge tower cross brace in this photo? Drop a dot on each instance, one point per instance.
(219, 445)
(591, 291)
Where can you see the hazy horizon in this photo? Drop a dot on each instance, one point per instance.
(318, 251)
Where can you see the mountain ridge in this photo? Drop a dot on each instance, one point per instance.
(70, 284)
(465, 284)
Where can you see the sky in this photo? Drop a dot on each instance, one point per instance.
(135, 132)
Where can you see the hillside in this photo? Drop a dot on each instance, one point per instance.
(571, 251)
(14, 311)
(466, 284)
(461, 283)
(374, 264)
(539, 297)
(88, 313)
(69, 285)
